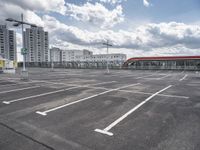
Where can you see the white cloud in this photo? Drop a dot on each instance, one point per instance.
(96, 14)
(146, 3)
(152, 38)
(39, 5)
(9, 10)
(112, 1)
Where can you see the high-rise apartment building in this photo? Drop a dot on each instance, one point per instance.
(36, 41)
(8, 43)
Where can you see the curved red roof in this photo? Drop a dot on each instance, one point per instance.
(164, 58)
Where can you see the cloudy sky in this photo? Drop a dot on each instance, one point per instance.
(134, 27)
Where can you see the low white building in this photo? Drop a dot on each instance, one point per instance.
(55, 54)
(111, 58)
(58, 55)
(74, 55)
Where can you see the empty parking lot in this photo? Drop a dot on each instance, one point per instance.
(68, 109)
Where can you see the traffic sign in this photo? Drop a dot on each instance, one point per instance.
(24, 51)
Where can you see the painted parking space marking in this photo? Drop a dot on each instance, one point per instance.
(72, 83)
(102, 83)
(108, 128)
(130, 75)
(48, 93)
(39, 95)
(164, 95)
(20, 89)
(7, 85)
(44, 113)
(164, 77)
(183, 77)
(146, 76)
(18, 83)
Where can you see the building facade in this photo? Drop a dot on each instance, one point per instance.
(111, 58)
(36, 41)
(58, 55)
(8, 48)
(74, 55)
(55, 54)
(172, 63)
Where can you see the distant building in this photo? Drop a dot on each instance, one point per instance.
(167, 62)
(36, 40)
(111, 58)
(55, 54)
(87, 56)
(73, 55)
(58, 55)
(8, 43)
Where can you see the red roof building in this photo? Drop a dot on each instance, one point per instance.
(166, 62)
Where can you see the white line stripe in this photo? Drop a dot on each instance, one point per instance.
(104, 132)
(129, 112)
(72, 83)
(18, 83)
(83, 99)
(164, 77)
(165, 95)
(39, 95)
(175, 96)
(44, 94)
(7, 85)
(130, 75)
(183, 78)
(146, 76)
(26, 88)
(103, 83)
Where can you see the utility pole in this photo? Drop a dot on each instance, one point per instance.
(24, 61)
(107, 45)
(23, 50)
(51, 55)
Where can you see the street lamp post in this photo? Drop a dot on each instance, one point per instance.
(24, 61)
(23, 50)
(52, 64)
(107, 45)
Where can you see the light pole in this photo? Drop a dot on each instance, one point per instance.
(23, 50)
(107, 44)
(51, 55)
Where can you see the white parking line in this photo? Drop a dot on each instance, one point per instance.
(34, 96)
(72, 83)
(183, 77)
(14, 90)
(44, 113)
(164, 95)
(17, 83)
(44, 94)
(146, 76)
(106, 130)
(164, 77)
(7, 85)
(159, 78)
(129, 75)
(103, 83)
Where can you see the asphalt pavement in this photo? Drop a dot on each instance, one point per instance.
(82, 109)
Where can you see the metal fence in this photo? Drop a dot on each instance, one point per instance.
(164, 65)
(139, 65)
(74, 65)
